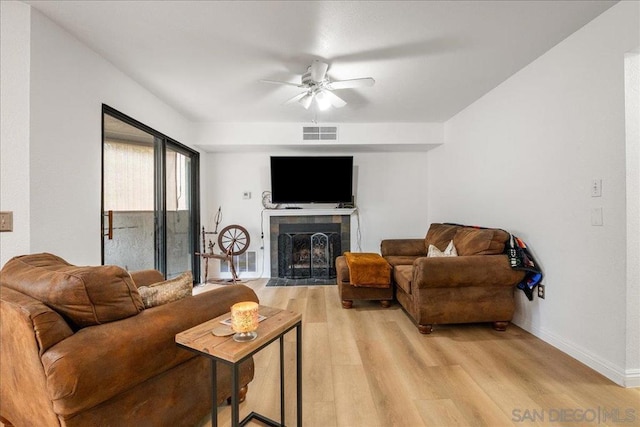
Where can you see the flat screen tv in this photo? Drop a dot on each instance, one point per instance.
(311, 179)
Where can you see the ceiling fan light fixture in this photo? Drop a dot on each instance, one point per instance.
(323, 101)
(317, 85)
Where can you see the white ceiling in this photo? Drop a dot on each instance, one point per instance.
(430, 59)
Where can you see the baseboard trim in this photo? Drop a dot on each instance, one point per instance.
(632, 378)
(629, 378)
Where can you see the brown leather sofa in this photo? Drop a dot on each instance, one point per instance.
(78, 348)
(478, 285)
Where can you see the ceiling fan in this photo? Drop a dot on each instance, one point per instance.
(318, 86)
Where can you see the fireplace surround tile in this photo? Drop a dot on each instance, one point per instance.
(344, 222)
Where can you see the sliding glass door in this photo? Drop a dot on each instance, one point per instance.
(180, 237)
(150, 198)
(128, 196)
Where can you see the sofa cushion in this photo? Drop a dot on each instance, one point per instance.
(439, 235)
(400, 260)
(83, 295)
(146, 277)
(480, 241)
(167, 290)
(402, 275)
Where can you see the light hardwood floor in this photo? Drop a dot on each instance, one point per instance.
(369, 366)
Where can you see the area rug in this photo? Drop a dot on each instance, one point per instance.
(279, 281)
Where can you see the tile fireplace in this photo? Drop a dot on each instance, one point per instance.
(304, 245)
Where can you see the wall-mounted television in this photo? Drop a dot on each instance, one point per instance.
(311, 179)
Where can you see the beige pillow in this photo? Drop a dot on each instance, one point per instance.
(449, 251)
(167, 291)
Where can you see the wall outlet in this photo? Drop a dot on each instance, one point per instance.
(541, 291)
(6, 221)
(246, 195)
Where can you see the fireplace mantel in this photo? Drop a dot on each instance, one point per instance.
(308, 212)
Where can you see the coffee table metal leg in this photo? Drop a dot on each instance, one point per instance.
(282, 380)
(299, 372)
(235, 410)
(214, 395)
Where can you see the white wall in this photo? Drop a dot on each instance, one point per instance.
(632, 109)
(390, 190)
(523, 157)
(69, 83)
(14, 126)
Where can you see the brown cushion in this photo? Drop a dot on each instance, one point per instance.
(83, 295)
(439, 235)
(400, 260)
(480, 241)
(368, 269)
(402, 276)
(167, 290)
(146, 277)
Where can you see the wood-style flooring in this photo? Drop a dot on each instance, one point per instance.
(369, 366)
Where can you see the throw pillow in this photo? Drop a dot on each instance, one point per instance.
(449, 251)
(167, 290)
(440, 234)
(480, 241)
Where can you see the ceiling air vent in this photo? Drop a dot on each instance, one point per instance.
(319, 133)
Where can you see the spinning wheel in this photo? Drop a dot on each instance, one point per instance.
(234, 240)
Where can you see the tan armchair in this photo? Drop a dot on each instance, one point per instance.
(78, 348)
(478, 285)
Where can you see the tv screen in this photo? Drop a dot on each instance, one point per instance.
(319, 179)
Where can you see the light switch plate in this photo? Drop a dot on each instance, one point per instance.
(6, 221)
(596, 216)
(596, 188)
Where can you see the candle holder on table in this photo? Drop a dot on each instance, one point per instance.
(244, 321)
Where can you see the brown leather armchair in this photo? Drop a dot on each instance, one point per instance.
(78, 348)
(478, 285)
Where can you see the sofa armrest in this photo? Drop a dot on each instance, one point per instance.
(27, 329)
(461, 271)
(146, 277)
(402, 247)
(100, 361)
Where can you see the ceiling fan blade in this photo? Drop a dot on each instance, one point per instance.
(296, 98)
(306, 99)
(276, 82)
(318, 70)
(348, 84)
(334, 99)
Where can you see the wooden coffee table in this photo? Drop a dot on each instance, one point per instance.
(201, 340)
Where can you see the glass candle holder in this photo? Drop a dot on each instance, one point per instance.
(244, 321)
